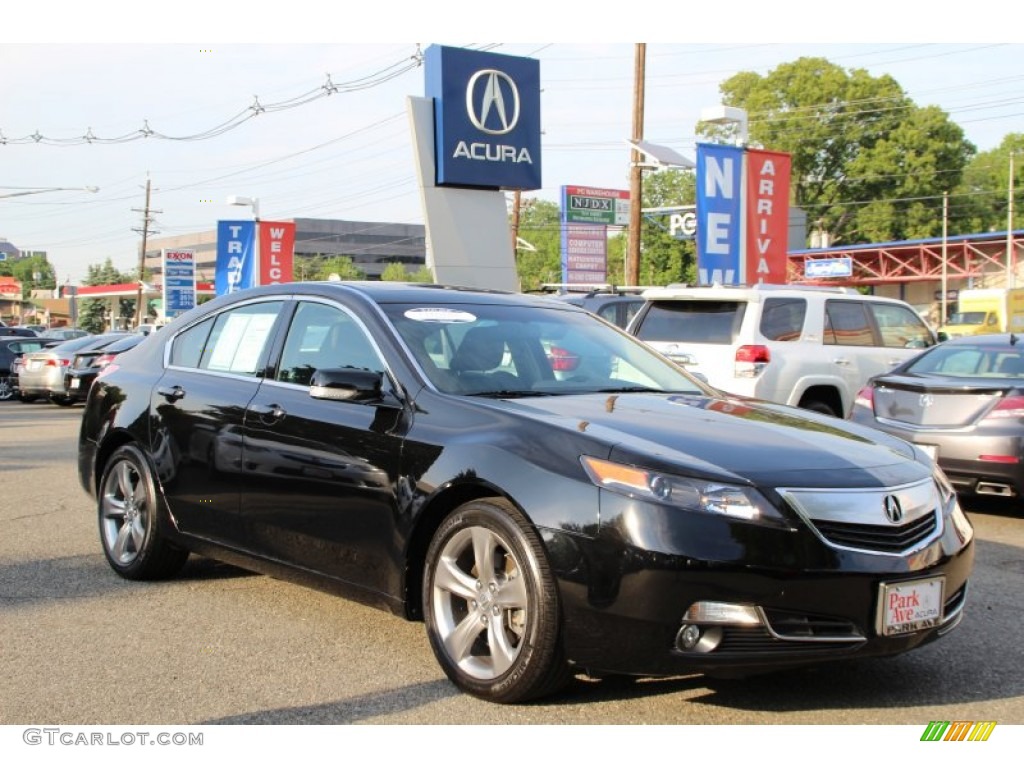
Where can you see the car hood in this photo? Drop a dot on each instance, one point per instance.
(745, 440)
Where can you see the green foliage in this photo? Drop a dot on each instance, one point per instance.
(868, 164)
(342, 266)
(399, 274)
(539, 227)
(33, 272)
(93, 313)
(979, 203)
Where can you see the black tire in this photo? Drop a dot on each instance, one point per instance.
(62, 400)
(27, 398)
(6, 390)
(491, 605)
(819, 407)
(128, 519)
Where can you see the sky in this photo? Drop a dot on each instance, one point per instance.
(305, 110)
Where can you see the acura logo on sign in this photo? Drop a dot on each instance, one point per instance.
(893, 510)
(487, 103)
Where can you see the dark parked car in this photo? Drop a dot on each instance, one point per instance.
(616, 305)
(412, 447)
(962, 402)
(20, 330)
(11, 348)
(88, 362)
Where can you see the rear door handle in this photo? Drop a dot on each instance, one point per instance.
(172, 394)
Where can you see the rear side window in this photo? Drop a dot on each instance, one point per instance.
(697, 322)
(847, 324)
(783, 319)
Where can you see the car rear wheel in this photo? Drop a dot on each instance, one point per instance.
(63, 400)
(491, 605)
(129, 528)
(6, 390)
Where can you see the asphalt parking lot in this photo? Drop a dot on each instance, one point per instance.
(222, 646)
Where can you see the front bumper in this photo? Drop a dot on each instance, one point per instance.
(625, 607)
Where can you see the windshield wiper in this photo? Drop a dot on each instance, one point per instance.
(500, 393)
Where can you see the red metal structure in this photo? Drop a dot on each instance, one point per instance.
(909, 261)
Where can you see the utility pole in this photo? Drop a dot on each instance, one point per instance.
(632, 276)
(517, 202)
(945, 257)
(146, 221)
(1011, 281)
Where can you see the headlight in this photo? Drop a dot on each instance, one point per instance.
(708, 496)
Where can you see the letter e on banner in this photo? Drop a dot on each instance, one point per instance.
(277, 251)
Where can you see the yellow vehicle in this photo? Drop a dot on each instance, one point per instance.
(986, 310)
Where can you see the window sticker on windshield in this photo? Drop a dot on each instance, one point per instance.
(439, 315)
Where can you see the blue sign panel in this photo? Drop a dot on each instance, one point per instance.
(236, 256)
(719, 214)
(179, 282)
(486, 118)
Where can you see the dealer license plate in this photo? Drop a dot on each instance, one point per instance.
(910, 606)
(74, 384)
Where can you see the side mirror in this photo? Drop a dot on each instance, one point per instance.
(353, 385)
(942, 336)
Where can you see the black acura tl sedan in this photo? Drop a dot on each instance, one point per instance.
(425, 450)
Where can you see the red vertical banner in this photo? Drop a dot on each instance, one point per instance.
(277, 251)
(767, 204)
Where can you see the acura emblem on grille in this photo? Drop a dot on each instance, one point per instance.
(893, 510)
(926, 401)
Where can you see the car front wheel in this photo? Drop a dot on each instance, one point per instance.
(491, 605)
(129, 529)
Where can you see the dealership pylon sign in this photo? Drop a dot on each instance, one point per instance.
(742, 215)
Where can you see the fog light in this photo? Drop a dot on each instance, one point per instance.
(688, 637)
(723, 613)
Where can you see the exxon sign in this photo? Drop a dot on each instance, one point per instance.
(486, 118)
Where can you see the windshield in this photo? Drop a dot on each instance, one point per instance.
(515, 351)
(967, 318)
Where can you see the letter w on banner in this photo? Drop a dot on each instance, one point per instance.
(767, 209)
(277, 252)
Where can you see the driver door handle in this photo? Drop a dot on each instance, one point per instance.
(172, 394)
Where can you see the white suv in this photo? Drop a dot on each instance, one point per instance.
(804, 346)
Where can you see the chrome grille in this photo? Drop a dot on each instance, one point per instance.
(894, 520)
(878, 538)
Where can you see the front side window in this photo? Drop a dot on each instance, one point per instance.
(900, 326)
(324, 336)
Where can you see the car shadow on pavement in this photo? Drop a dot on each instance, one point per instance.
(358, 709)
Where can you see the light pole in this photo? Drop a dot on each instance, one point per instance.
(35, 191)
(254, 203)
(723, 115)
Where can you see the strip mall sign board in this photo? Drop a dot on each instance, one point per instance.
(742, 215)
(277, 252)
(584, 253)
(486, 118)
(588, 205)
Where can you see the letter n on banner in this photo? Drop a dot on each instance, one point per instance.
(277, 251)
(719, 211)
(768, 175)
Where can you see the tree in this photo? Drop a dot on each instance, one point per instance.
(33, 272)
(397, 273)
(867, 164)
(980, 202)
(342, 266)
(92, 315)
(540, 226)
